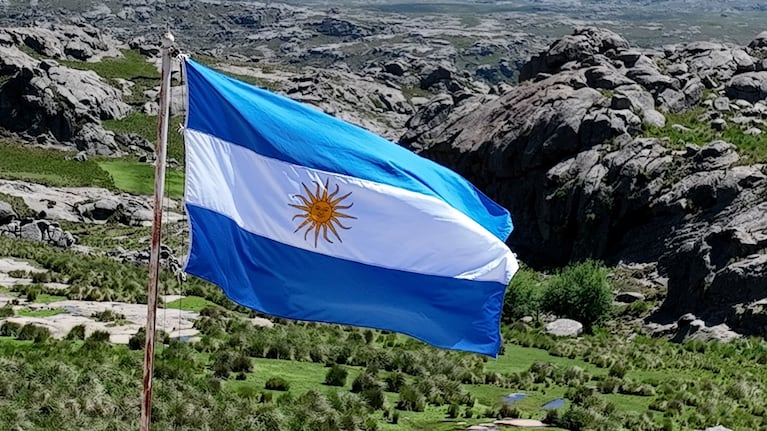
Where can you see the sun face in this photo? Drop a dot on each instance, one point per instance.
(321, 211)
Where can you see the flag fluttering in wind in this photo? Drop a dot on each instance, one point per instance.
(300, 215)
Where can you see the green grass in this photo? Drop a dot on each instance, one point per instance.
(131, 65)
(49, 167)
(45, 298)
(146, 126)
(18, 205)
(138, 178)
(191, 303)
(752, 148)
(26, 312)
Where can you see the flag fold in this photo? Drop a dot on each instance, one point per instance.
(300, 215)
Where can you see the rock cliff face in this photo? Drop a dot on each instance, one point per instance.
(564, 153)
(51, 103)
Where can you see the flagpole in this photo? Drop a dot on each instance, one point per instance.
(154, 257)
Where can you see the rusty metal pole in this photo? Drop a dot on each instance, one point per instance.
(154, 258)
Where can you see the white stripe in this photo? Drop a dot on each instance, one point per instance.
(393, 228)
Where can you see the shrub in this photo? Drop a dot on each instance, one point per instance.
(374, 397)
(9, 329)
(277, 384)
(35, 333)
(509, 411)
(452, 411)
(581, 292)
(523, 296)
(394, 381)
(336, 376)
(6, 311)
(619, 370)
(108, 316)
(138, 340)
(76, 333)
(99, 337)
(411, 399)
(364, 380)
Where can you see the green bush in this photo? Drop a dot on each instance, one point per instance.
(6, 311)
(9, 329)
(277, 384)
(581, 292)
(35, 333)
(411, 399)
(452, 411)
(364, 380)
(108, 316)
(137, 340)
(76, 333)
(523, 296)
(394, 381)
(336, 376)
(99, 337)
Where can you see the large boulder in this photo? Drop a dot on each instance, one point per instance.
(583, 43)
(750, 86)
(6, 213)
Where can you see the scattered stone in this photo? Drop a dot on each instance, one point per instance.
(653, 118)
(520, 423)
(753, 131)
(719, 124)
(722, 104)
(564, 328)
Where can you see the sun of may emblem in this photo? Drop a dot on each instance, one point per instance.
(321, 211)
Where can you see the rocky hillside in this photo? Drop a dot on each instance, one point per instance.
(570, 152)
(603, 150)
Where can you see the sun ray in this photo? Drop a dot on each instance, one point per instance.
(321, 211)
(306, 234)
(325, 191)
(333, 229)
(307, 221)
(337, 200)
(334, 193)
(325, 233)
(311, 197)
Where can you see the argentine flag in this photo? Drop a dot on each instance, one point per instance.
(300, 215)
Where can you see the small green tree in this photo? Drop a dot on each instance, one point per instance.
(581, 292)
(336, 376)
(523, 296)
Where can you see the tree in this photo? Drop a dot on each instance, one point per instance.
(336, 376)
(581, 292)
(523, 296)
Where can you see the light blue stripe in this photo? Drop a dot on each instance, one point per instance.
(285, 281)
(280, 128)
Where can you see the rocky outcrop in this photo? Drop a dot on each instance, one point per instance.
(564, 154)
(38, 230)
(75, 42)
(56, 104)
(87, 204)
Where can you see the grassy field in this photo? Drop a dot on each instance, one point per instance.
(191, 303)
(146, 126)
(753, 149)
(49, 167)
(138, 178)
(25, 312)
